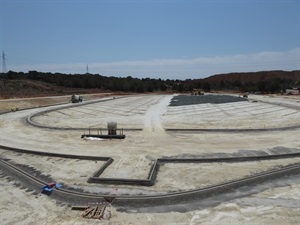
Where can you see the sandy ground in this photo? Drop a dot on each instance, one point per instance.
(273, 206)
(22, 103)
(134, 156)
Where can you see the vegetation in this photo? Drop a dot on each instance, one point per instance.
(264, 82)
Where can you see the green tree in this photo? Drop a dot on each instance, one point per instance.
(206, 87)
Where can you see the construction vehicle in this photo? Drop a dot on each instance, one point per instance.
(76, 99)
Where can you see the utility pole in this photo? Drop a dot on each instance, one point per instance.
(3, 62)
(87, 68)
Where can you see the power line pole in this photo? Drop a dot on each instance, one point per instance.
(3, 62)
(87, 68)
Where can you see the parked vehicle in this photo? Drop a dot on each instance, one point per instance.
(76, 99)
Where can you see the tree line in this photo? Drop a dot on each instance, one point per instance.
(274, 84)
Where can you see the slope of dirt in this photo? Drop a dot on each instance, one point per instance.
(31, 88)
(15, 104)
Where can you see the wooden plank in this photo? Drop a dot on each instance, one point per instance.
(87, 211)
(79, 207)
(92, 213)
(100, 212)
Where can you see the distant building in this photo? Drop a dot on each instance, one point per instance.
(293, 91)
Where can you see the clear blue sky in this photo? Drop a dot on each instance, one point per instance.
(176, 39)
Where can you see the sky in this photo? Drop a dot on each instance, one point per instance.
(167, 39)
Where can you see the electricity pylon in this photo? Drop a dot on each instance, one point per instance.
(3, 63)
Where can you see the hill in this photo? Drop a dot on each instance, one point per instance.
(255, 76)
(264, 81)
(22, 88)
(35, 84)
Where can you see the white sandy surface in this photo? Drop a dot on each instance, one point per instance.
(134, 156)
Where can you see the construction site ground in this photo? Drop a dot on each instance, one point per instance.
(148, 121)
